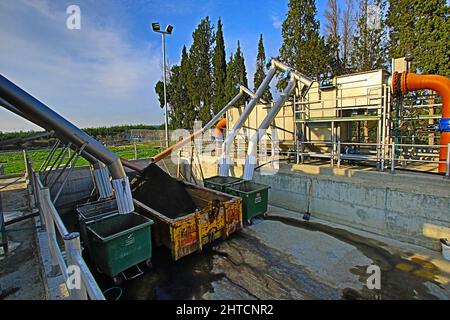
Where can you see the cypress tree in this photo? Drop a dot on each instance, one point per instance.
(303, 48)
(230, 83)
(260, 73)
(188, 109)
(200, 86)
(220, 71)
(240, 70)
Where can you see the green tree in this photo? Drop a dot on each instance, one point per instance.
(369, 45)
(220, 71)
(421, 27)
(189, 110)
(173, 91)
(236, 74)
(260, 73)
(200, 84)
(240, 69)
(182, 113)
(303, 48)
(231, 90)
(159, 89)
(333, 39)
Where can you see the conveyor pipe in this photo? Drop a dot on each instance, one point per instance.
(225, 158)
(209, 125)
(91, 159)
(250, 161)
(43, 115)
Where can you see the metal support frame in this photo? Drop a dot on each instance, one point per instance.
(49, 156)
(77, 155)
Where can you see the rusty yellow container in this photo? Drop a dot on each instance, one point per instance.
(218, 215)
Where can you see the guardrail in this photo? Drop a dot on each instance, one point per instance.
(68, 261)
(396, 154)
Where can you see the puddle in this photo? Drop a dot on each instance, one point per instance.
(401, 278)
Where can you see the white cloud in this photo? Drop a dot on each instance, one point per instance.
(276, 22)
(93, 76)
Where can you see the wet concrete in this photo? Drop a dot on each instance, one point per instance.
(402, 278)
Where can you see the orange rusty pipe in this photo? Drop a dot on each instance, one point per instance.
(411, 82)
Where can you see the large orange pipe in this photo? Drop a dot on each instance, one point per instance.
(411, 82)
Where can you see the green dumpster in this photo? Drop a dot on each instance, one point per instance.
(220, 183)
(93, 212)
(120, 242)
(255, 197)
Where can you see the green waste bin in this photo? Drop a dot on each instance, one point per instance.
(93, 212)
(255, 198)
(220, 183)
(120, 242)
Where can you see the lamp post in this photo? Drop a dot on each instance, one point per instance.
(169, 28)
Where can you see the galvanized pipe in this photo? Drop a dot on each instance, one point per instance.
(250, 161)
(91, 159)
(225, 161)
(29, 105)
(43, 115)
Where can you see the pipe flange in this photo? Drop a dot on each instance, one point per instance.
(444, 125)
(403, 83)
(395, 83)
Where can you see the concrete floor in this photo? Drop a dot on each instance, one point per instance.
(278, 257)
(20, 268)
(282, 257)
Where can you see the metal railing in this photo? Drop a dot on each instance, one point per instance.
(395, 155)
(68, 260)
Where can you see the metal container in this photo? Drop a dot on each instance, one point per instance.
(220, 183)
(120, 242)
(95, 211)
(255, 198)
(218, 215)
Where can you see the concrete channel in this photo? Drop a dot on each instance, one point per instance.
(280, 256)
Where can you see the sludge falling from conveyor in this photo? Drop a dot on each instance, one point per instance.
(159, 191)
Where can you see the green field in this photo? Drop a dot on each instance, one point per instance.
(13, 161)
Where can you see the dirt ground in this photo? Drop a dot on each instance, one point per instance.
(20, 271)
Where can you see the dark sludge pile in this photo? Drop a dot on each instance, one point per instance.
(159, 191)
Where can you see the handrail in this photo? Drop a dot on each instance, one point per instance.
(50, 217)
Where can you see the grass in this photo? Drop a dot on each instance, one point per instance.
(13, 161)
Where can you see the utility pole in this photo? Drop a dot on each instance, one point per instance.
(169, 28)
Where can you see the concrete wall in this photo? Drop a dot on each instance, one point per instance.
(413, 208)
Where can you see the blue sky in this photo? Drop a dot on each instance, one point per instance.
(104, 74)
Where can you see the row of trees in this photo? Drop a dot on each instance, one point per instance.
(360, 35)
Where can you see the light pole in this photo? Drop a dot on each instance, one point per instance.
(169, 28)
